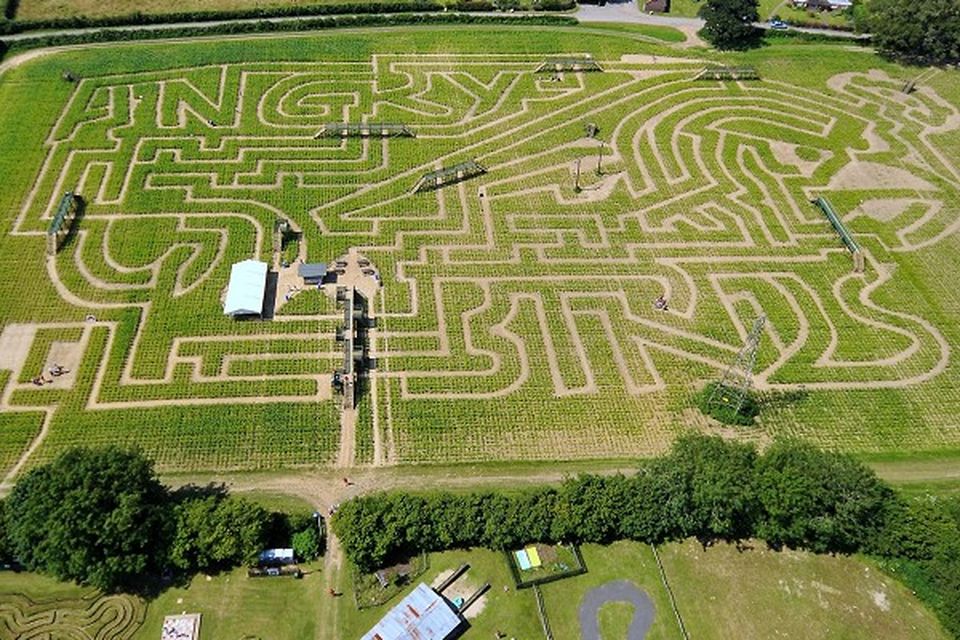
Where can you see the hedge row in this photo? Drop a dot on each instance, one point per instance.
(356, 8)
(266, 26)
(792, 495)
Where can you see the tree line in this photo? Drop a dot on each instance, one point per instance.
(101, 517)
(915, 32)
(792, 495)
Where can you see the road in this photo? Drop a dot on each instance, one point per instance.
(617, 591)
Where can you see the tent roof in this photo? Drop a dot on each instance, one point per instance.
(422, 615)
(273, 555)
(248, 282)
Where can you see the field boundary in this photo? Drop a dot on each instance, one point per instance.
(666, 585)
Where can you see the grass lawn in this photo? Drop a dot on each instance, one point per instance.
(615, 619)
(723, 593)
(685, 8)
(276, 501)
(667, 34)
(620, 561)
(507, 610)
(235, 606)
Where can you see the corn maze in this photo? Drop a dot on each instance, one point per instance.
(93, 617)
(516, 316)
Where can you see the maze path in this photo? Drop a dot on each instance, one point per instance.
(95, 617)
(514, 283)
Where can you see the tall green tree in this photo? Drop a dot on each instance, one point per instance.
(216, 532)
(927, 32)
(6, 553)
(717, 478)
(819, 500)
(729, 23)
(95, 516)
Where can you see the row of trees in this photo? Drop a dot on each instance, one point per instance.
(924, 32)
(918, 32)
(792, 495)
(705, 487)
(101, 517)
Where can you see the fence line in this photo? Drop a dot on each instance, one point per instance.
(541, 610)
(666, 585)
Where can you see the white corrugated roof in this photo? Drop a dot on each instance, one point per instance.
(422, 615)
(248, 281)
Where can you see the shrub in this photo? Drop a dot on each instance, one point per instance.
(745, 417)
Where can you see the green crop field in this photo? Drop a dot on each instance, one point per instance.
(515, 317)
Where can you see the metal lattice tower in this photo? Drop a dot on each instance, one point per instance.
(735, 383)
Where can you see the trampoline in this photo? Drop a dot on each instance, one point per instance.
(523, 560)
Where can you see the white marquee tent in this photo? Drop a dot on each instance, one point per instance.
(248, 282)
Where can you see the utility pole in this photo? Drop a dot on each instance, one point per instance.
(733, 387)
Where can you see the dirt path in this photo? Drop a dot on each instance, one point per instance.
(348, 438)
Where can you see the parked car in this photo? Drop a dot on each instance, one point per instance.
(778, 24)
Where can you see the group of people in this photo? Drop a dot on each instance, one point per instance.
(292, 290)
(55, 372)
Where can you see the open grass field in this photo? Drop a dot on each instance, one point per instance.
(726, 593)
(721, 593)
(232, 606)
(515, 320)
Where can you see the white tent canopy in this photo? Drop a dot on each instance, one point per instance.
(248, 282)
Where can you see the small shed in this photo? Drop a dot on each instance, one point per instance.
(276, 557)
(423, 615)
(312, 272)
(248, 283)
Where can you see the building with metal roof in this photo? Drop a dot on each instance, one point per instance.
(422, 615)
(248, 283)
(312, 272)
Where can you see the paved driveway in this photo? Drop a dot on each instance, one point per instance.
(617, 591)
